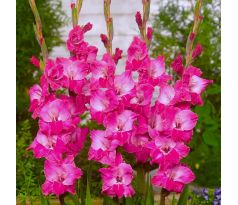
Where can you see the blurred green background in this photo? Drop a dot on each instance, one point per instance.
(171, 28)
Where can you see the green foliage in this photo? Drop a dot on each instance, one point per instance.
(171, 26)
(29, 173)
(184, 196)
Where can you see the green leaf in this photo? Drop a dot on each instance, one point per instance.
(210, 138)
(82, 193)
(107, 200)
(149, 197)
(129, 201)
(184, 196)
(88, 195)
(174, 201)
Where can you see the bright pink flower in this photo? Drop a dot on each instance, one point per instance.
(46, 145)
(185, 120)
(137, 52)
(75, 39)
(54, 73)
(102, 149)
(173, 179)
(117, 180)
(75, 72)
(156, 68)
(136, 146)
(166, 95)
(165, 151)
(143, 94)
(120, 125)
(56, 116)
(102, 102)
(60, 176)
(124, 83)
(74, 141)
(161, 120)
(177, 65)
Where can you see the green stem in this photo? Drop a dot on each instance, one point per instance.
(164, 193)
(38, 30)
(61, 199)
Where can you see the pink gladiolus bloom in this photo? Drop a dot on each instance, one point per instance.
(102, 149)
(75, 72)
(74, 141)
(120, 125)
(156, 68)
(44, 146)
(137, 52)
(177, 65)
(185, 120)
(75, 39)
(124, 83)
(144, 94)
(117, 180)
(101, 103)
(54, 73)
(136, 146)
(165, 151)
(166, 95)
(173, 179)
(60, 176)
(56, 116)
(161, 120)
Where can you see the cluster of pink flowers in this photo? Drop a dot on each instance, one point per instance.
(143, 110)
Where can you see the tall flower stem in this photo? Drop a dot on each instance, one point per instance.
(193, 33)
(75, 9)
(140, 182)
(109, 24)
(38, 31)
(142, 21)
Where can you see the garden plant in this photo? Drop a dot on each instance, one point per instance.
(147, 112)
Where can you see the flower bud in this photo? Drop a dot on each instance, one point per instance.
(104, 39)
(138, 19)
(117, 56)
(87, 27)
(149, 33)
(197, 51)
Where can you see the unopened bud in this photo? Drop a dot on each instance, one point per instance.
(197, 51)
(117, 56)
(192, 36)
(87, 27)
(138, 19)
(149, 33)
(104, 39)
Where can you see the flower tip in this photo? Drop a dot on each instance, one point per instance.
(72, 5)
(34, 61)
(138, 19)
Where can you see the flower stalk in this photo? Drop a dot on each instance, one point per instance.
(193, 33)
(38, 31)
(164, 193)
(109, 24)
(76, 8)
(146, 33)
